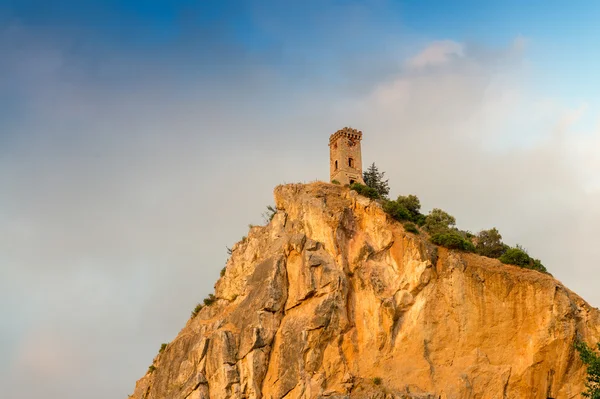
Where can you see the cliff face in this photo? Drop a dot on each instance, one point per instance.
(333, 299)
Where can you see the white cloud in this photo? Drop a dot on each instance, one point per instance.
(436, 54)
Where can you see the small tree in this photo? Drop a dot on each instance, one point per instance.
(374, 179)
(439, 221)
(592, 360)
(489, 243)
(412, 205)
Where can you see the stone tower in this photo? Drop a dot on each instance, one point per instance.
(345, 161)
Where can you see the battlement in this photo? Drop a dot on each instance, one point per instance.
(345, 159)
(346, 132)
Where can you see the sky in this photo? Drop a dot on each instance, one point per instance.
(138, 139)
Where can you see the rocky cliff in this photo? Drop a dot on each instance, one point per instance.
(333, 299)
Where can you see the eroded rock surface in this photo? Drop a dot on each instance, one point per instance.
(334, 300)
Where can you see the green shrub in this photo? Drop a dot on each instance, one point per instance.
(537, 265)
(592, 361)
(209, 300)
(396, 211)
(162, 348)
(365, 191)
(335, 182)
(151, 369)
(405, 208)
(489, 243)
(439, 221)
(197, 310)
(518, 256)
(411, 228)
(420, 220)
(411, 203)
(452, 240)
(377, 380)
(223, 271)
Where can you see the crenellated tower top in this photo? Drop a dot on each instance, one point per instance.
(347, 132)
(345, 158)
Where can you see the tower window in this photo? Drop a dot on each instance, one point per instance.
(336, 165)
(351, 162)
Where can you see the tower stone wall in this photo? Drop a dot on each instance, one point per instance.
(345, 159)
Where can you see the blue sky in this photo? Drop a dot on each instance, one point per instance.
(139, 138)
(278, 33)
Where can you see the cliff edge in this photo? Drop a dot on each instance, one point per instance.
(333, 299)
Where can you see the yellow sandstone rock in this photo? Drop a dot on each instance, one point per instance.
(333, 299)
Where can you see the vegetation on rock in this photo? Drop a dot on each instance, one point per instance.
(365, 191)
(411, 228)
(374, 179)
(197, 310)
(489, 243)
(405, 208)
(269, 214)
(592, 361)
(453, 240)
(441, 226)
(518, 256)
(209, 300)
(162, 348)
(439, 221)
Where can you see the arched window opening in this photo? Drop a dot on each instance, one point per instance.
(336, 165)
(351, 162)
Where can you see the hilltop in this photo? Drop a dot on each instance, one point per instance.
(334, 299)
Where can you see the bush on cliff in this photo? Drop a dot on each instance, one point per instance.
(442, 226)
(489, 243)
(412, 204)
(405, 208)
(365, 191)
(411, 228)
(439, 221)
(592, 361)
(396, 211)
(518, 256)
(453, 240)
(197, 310)
(209, 300)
